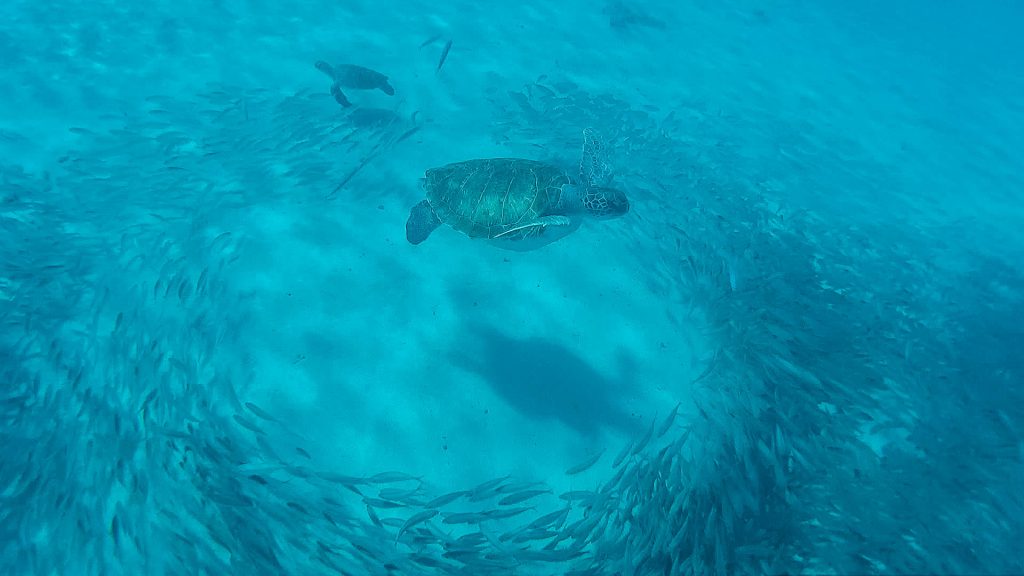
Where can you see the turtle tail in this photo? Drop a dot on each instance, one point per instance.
(422, 221)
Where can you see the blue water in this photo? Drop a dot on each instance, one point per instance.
(798, 352)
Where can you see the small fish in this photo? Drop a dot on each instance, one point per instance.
(485, 489)
(668, 423)
(464, 518)
(585, 465)
(430, 40)
(521, 497)
(534, 534)
(352, 173)
(445, 499)
(246, 424)
(115, 531)
(444, 54)
(553, 519)
(583, 495)
(381, 503)
(614, 481)
(418, 518)
(780, 441)
(711, 366)
(622, 455)
(407, 134)
(201, 281)
(398, 493)
(517, 487)
(184, 290)
(350, 481)
(329, 518)
(507, 512)
(230, 499)
(220, 241)
(373, 517)
(581, 529)
(391, 477)
(642, 443)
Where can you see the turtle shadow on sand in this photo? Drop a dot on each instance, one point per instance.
(543, 380)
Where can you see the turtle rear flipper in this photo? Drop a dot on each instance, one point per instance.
(422, 221)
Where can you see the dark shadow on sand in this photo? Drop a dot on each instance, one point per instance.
(544, 380)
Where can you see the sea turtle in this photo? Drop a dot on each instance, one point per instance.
(354, 77)
(518, 204)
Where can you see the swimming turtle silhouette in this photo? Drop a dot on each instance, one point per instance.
(353, 77)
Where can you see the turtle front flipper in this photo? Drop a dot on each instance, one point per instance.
(422, 221)
(339, 96)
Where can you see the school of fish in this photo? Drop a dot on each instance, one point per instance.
(130, 446)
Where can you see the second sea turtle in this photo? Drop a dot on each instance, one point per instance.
(353, 77)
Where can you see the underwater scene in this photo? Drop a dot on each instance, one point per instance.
(601, 288)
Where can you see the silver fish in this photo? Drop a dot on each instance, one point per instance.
(486, 489)
(259, 412)
(521, 497)
(392, 477)
(507, 512)
(552, 519)
(465, 518)
(445, 499)
(379, 503)
(668, 422)
(642, 443)
(585, 465)
(444, 55)
(622, 455)
(418, 518)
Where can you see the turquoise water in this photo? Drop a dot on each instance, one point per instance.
(798, 352)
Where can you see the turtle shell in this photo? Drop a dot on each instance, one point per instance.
(483, 198)
(359, 77)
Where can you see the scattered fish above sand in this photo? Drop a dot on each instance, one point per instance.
(444, 55)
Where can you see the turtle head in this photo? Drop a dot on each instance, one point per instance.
(325, 68)
(604, 203)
